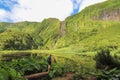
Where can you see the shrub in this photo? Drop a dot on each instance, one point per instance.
(104, 59)
(112, 74)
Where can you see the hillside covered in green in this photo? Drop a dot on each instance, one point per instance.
(95, 27)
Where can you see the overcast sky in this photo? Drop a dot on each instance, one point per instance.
(37, 10)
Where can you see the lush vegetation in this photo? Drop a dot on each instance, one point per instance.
(74, 43)
(16, 65)
(103, 65)
(107, 67)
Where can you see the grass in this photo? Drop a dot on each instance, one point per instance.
(82, 59)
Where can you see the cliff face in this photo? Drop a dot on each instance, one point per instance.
(110, 15)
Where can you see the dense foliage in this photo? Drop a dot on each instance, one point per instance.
(16, 68)
(16, 41)
(105, 60)
(107, 68)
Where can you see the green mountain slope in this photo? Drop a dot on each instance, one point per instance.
(94, 27)
(90, 22)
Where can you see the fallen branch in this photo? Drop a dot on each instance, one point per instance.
(35, 75)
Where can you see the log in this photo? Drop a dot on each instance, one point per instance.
(37, 75)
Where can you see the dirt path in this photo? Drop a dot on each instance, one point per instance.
(67, 77)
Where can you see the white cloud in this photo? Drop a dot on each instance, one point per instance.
(37, 10)
(86, 3)
(3, 15)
